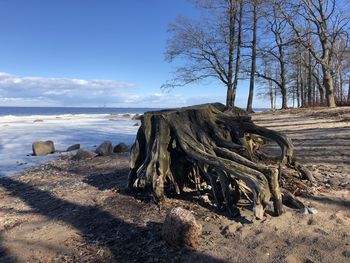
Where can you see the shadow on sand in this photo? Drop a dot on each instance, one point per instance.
(96, 225)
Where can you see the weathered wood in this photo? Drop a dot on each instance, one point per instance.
(206, 143)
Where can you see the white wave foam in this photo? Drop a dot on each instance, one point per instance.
(18, 132)
(63, 117)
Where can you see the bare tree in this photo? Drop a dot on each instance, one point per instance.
(207, 45)
(276, 50)
(327, 25)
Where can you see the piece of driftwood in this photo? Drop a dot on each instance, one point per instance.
(205, 143)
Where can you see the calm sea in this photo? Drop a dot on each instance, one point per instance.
(28, 111)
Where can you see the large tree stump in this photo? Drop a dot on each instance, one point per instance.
(205, 143)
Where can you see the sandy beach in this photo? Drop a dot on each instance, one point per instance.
(70, 210)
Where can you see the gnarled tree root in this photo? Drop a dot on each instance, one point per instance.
(187, 146)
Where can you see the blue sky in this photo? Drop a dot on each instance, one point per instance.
(93, 53)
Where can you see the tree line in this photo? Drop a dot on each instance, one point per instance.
(293, 53)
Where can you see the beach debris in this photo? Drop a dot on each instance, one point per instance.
(308, 210)
(231, 229)
(105, 149)
(41, 148)
(343, 184)
(304, 211)
(121, 147)
(312, 210)
(181, 228)
(204, 199)
(83, 154)
(73, 147)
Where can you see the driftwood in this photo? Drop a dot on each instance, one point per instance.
(205, 143)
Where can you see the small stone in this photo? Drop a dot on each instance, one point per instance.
(181, 228)
(304, 211)
(312, 210)
(105, 149)
(83, 154)
(43, 148)
(136, 124)
(73, 147)
(121, 147)
(207, 219)
(311, 221)
(343, 184)
(346, 253)
(232, 229)
(205, 199)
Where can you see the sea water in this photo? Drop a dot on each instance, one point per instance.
(21, 126)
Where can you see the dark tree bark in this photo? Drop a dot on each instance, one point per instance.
(309, 88)
(206, 143)
(238, 57)
(232, 24)
(253, 66)
(349, 91)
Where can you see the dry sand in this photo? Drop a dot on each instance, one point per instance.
(79, 211)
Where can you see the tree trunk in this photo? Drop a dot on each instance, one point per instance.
(309, 90)
(206, 144)
(231, 50)
(229, 97)
(302, 85)
(349, 91)
(253, 65)
(238, 57)
(283, 80)
(271, 95)
(328, 84)
(298, 89)
(341, 86)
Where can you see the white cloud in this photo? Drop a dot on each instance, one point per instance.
(15, 90)
(41, 91)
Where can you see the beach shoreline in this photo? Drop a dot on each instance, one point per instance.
(69, 210)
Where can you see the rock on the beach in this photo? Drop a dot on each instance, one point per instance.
(105, 149)
(121, 147)
(304, 211)
(83, 154)
(41, 148)
(73, 147)
(181, 228)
